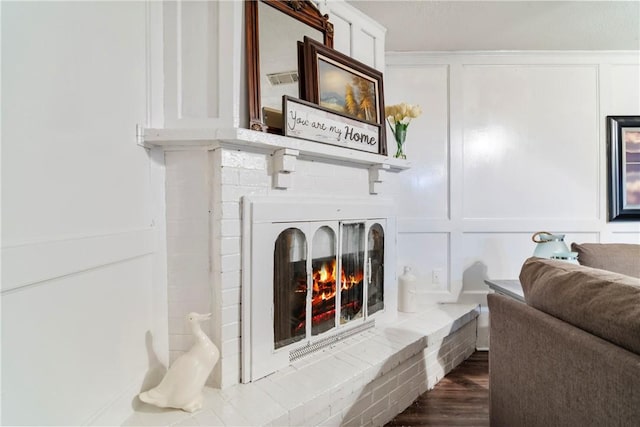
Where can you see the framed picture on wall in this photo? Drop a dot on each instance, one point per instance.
(339, 83)
(623, 151)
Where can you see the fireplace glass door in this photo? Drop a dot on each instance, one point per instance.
(290, 293)
(375, 250)
(323, 295)
(331, 283)
(352, 274)
(312, 276)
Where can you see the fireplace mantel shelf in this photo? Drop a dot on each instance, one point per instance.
(180, 139)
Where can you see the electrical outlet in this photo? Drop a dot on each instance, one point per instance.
(436, 276)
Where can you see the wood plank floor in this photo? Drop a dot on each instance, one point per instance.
(459, 399)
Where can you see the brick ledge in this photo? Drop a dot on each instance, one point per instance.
(366, 379)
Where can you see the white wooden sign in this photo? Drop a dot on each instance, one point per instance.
(309, 121)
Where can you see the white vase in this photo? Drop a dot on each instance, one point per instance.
(407, 292)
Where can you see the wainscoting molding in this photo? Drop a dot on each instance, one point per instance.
(33, 264)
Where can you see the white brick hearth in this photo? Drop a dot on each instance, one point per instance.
(364, 380)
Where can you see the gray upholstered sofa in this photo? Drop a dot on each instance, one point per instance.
(570, 356)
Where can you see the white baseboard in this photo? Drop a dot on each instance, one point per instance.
(119, 409)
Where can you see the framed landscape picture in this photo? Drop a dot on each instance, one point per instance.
(339, 83)
(623, 150)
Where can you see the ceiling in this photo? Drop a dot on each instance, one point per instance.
(506, 25)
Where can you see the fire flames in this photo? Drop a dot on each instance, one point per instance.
(324, 282)
(324, 291)
(323, 297)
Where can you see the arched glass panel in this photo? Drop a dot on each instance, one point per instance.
(323, 296)
(352, 274)
(375, 290)
(289, 287)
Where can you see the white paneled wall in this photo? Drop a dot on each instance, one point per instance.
(50, 87)
(622, 82)
(202, 55)
(83, 278)
(422, 191)
(355, 34)
(538, 123)
(509, 144)
(341, 32)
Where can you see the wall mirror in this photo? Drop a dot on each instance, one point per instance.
(273, 29)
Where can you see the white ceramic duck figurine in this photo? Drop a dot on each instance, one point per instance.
(182, 385)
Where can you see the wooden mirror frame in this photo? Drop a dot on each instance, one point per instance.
(302, 10)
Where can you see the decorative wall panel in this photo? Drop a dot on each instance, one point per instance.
(365, 49)
(202, 63)
(425, 253)
(625, 87)
(356, 34)
(423, 190)
(341, 33)
(197, 87)
(500, 255)
(530, 141)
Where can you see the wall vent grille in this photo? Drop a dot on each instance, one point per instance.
(283, 78)
(326, 342)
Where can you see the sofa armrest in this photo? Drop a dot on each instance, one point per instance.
(545, 372)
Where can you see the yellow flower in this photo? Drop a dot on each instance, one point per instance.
(415, 111)
(390, 110)
(402, 113)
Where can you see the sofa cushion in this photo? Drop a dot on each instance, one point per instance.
(618, 257)
(604, 303)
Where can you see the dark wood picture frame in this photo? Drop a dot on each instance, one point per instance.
(317, 57)
(623, 156)
(302, 10)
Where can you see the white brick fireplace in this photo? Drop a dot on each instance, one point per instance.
(313, 271)
(219, 186)
(206, 181)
